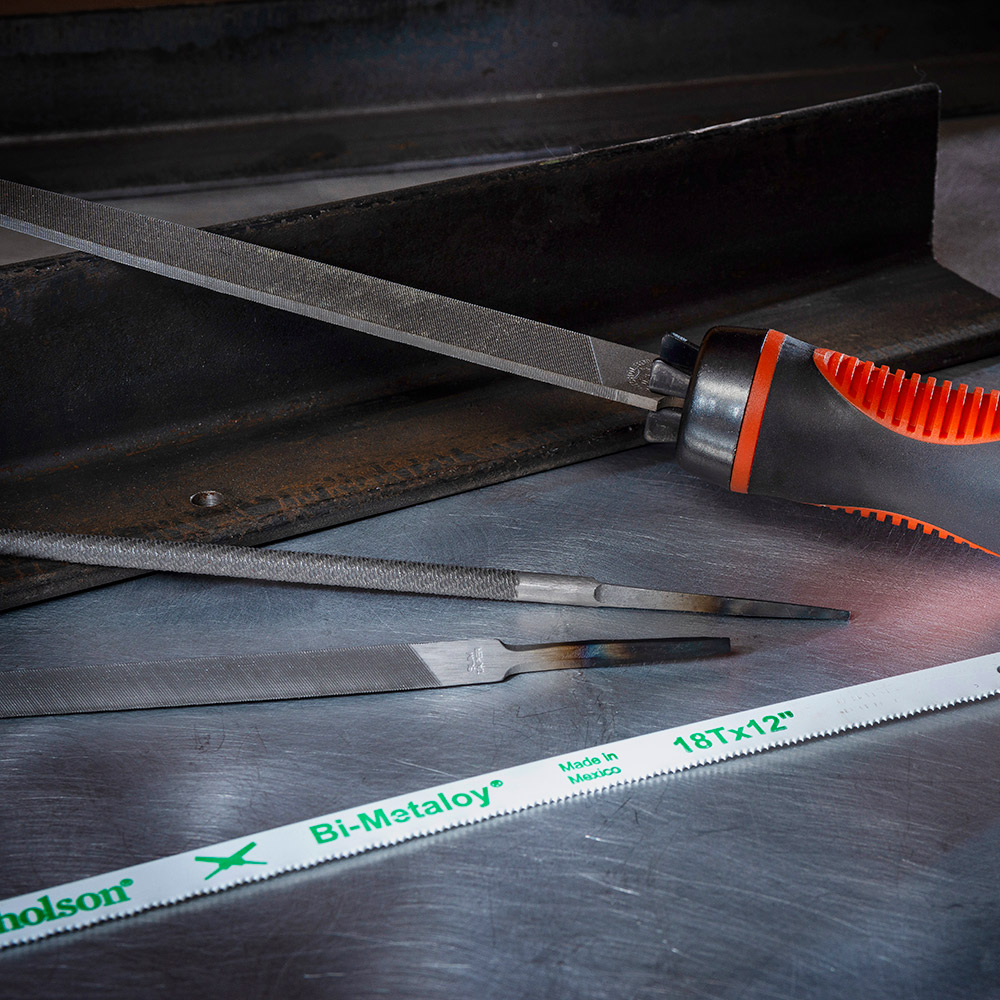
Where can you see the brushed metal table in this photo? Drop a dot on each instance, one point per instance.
(861, 865)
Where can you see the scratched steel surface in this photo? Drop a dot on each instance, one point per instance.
(862, 865)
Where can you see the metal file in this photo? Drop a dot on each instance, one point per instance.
(392, 575)
(220, 680)
(335, 295)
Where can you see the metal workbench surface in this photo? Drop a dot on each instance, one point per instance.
(861, 865)
(865, 864)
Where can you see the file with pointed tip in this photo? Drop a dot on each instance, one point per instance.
(392, 575)
(320, 673)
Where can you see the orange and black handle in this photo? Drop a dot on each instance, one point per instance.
(769, 414)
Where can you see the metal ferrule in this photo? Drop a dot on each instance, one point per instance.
(713, 411)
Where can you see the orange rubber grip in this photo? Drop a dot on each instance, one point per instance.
(907, 404)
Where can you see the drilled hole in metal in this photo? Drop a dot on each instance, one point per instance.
(207, 498)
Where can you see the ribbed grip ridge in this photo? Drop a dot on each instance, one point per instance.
(910, 522)
(919, 408)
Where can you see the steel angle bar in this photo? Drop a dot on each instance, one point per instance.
(154, 410)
